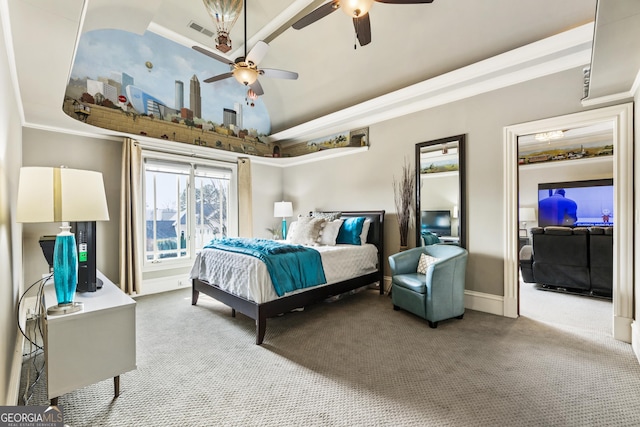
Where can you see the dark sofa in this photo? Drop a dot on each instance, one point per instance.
(579, 259)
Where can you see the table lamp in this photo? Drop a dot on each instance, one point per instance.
(47, 194)
(283, 210)
(525, 215)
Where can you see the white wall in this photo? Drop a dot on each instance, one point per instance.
(364, 181)
(10, 242)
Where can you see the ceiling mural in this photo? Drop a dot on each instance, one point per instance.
(148, 85)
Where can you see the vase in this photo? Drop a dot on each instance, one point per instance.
(403, 248)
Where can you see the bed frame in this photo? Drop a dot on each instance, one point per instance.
(261, 312)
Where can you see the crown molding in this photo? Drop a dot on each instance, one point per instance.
(557, 53)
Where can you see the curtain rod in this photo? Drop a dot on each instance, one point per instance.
(160, 147)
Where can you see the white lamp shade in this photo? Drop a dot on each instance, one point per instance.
(282, 209)
(48, 194)
(527, 214)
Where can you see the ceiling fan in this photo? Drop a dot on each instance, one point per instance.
(356, 9)
(245, 68)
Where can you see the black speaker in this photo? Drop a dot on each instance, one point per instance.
(86, 243)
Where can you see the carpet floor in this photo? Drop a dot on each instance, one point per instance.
(357, 362)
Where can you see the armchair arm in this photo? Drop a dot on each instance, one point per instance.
(405, 262)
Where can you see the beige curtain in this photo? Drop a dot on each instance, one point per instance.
(245, 206)
(131, 246)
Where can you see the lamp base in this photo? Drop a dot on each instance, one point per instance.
(65, 308)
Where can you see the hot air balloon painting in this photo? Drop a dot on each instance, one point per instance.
(224, 13)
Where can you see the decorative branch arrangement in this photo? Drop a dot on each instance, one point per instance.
(403, 190)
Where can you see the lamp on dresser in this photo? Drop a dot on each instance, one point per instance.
(283, 210)
(526, 215)
(47, 194)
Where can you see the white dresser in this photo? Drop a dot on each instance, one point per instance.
(91, 345)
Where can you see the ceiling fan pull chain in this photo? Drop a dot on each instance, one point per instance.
(355, 40)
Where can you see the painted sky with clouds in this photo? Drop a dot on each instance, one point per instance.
(102, 52)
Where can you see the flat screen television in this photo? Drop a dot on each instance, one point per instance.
(437, 222)
(576, 204)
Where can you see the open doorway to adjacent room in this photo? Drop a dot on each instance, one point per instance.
(620, 118)
(565, 179)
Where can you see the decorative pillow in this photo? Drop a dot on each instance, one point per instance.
(330, 232)
(306, 231)
(365, 231)
(291, 230)
(329, 216)
(350, 231)
(424, 263)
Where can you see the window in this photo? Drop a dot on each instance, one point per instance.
(187, 204)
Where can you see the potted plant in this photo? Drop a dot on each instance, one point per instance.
(403, 190)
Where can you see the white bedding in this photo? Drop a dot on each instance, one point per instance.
(247, 276)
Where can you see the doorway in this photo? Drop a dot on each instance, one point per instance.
(565, 178)
(620, 117)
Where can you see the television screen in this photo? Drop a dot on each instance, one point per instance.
(437, 222)
(576, 204)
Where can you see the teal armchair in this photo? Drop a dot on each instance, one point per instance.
(436, 295)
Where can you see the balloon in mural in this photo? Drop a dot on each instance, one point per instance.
(149, 65)
(224, 13)
(251, 95)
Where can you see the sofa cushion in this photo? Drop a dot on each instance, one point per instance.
(415, 282)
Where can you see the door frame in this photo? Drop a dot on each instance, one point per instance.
(621, 116)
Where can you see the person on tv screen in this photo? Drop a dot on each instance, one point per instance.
(558, 210)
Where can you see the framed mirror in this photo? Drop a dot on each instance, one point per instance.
(440, 191)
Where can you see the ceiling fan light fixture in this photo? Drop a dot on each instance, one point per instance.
(356, 8)
(245, 75)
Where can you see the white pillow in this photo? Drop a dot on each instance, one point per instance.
(330, 232)
(365, 230)
(291, 231)
(424, 263)
(306, 231)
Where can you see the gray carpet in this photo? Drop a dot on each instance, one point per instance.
(356, 362)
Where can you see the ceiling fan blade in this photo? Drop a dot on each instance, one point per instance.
(218, 77)
(404, 1)
(279, 74)
(257, 53)
(257, 88)
(363, 29)
(212, 55)
(316, 15)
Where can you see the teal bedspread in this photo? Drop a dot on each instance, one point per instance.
(291, 267)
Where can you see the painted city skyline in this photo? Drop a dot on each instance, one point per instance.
(167, 72)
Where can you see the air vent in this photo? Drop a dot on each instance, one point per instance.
(199, 28)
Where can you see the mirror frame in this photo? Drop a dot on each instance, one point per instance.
(462, 205)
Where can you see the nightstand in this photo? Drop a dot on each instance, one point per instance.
(91, 345)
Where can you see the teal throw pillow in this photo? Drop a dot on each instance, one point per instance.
(350, 231)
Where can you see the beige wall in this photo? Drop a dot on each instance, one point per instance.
(43, 148)
(363, 181)
(267, 189)
(10, 242)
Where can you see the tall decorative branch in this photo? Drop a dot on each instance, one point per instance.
(403, 190)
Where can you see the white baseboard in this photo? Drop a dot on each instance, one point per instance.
(479, 301)
(622, 328)
(487, 303)
(164, 284)
(635, 339)
(13, 391)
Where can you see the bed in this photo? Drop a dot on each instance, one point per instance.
(260, 305)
